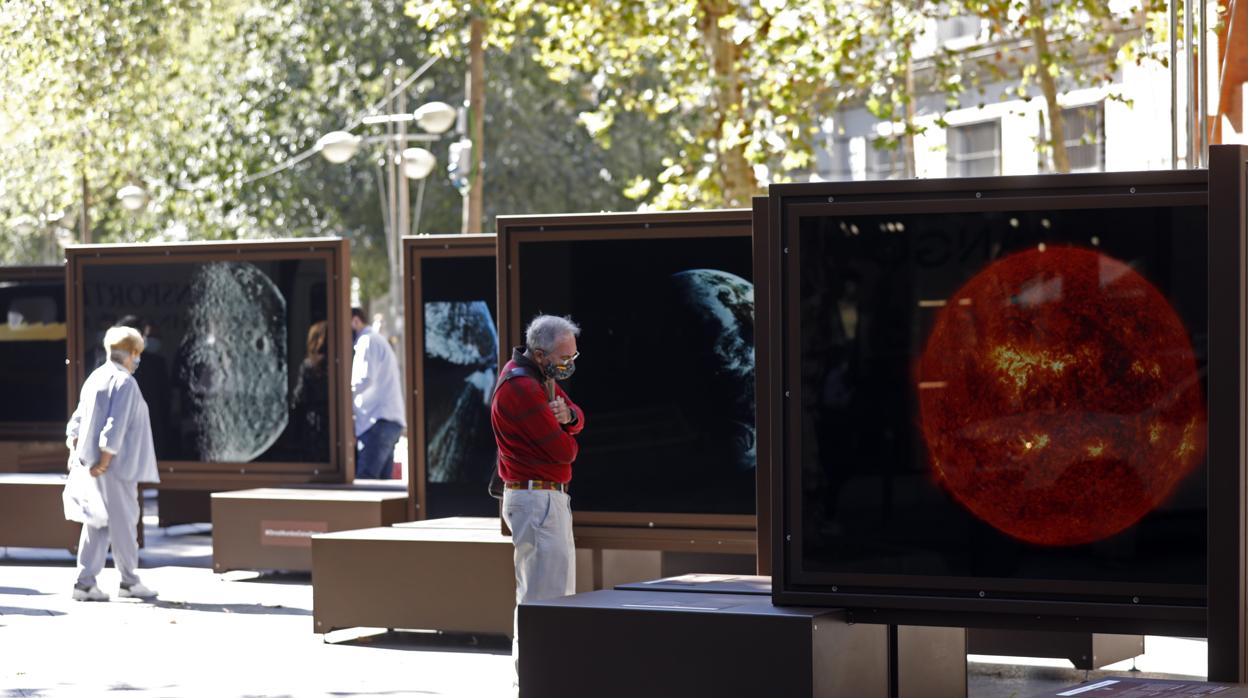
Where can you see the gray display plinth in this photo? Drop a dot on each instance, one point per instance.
(925, 662)
(656, 644)
(1115, 687)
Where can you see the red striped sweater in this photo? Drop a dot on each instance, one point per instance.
(532, 445)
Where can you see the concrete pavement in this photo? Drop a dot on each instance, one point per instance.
(243, 634)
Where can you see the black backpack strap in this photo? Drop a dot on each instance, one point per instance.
(495, 488)
(514, 372)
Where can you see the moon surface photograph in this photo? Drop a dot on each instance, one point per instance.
(232, 361)
(225, 343)
(666, 373)
(1008, 395)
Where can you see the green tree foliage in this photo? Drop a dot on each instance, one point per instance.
(193, 100)
(742, 84)
(592, 104)
(1050, 46)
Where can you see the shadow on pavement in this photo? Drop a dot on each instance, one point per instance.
(17, 611)
(273, 577)
(21, 591)
(433, 642)
(239, 608)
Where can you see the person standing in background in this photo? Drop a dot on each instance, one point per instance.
(110, 432)
(376, 399)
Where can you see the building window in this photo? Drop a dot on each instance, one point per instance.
(1083, 129)
(975, 150)
(885, 162)
(957, 27)
(834, 163)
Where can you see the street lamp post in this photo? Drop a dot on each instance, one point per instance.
(402, 161)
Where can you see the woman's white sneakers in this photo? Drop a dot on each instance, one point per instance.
(91, 593)
(136, 591)
(132, 591)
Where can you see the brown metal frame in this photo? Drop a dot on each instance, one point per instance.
(335, 253)
(35, 431)
(416, 250)
(611, 226)
(1228, 413)
(762, 396)
(942, 601)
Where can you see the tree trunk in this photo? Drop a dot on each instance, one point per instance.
(736, 175)
(907, 141)
(84, 221)
(1048, 84)
(473, 202)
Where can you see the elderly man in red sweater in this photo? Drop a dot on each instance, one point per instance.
(535, 424)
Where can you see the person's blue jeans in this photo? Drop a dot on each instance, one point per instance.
(374, 450)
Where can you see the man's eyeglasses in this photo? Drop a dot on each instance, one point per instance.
(564, 361)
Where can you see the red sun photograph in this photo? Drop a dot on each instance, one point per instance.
(1059, 396)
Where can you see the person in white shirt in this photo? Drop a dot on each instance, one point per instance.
(111, 433)
(377, 400)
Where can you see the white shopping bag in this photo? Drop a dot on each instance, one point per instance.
(82, 498)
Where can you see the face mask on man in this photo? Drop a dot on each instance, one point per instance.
(560, 371)
(137, 360)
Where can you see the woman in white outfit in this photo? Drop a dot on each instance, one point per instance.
(110, 432)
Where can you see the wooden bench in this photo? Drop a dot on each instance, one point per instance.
(414, 578)
(351, 560)
(272, 528)
(31, 512)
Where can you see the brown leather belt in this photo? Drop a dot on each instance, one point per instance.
(537, 485)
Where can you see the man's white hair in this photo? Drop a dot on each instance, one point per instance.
(545, 330)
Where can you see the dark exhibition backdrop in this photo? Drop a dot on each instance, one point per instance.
(880, 496)
(666, 374)
(32, 351)
(460, 367)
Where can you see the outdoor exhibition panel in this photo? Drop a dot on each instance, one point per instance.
(272, 528)
(452, 359)
(32, 369)
(658, 643)
(246, 368)
(414, 578)
(666, 377)
(1012, 402)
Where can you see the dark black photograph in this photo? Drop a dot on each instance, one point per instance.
(666, 373)
(460, 365)
(1005, 395)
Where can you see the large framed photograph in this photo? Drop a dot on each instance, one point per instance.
(666, 374)
(993, 397)
(246, 369)
(32, 353)
(452, 361)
